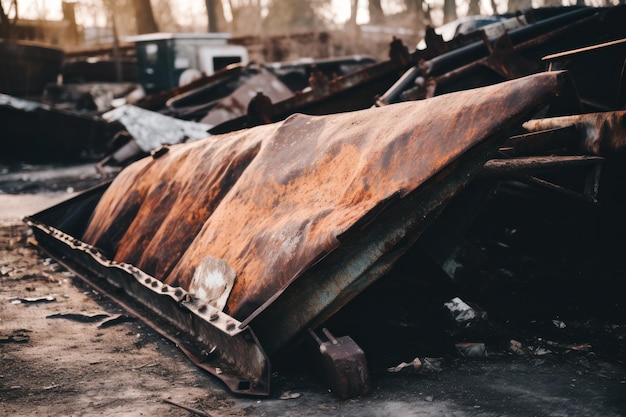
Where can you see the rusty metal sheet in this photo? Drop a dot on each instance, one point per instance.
(241, 241)
(272, 200)
(151, 129)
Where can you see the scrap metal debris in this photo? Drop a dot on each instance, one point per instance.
(34, 131)
(114, 321)
(80, 318)
(150, 130)
(289, 395)
(415, 364)
(33, 300)
(471, 350)
(234, 245)
(460, 311)
(288, 219)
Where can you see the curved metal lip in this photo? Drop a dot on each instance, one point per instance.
(168, 310)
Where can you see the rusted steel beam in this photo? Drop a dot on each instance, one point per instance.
(549, 140)
(601, 133)
(578, 51)
(468, 55)
(516, 53)
(536, 164)
(587, 196)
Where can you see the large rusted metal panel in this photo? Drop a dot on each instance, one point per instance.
(273, 229)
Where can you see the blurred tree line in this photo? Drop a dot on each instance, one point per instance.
(278, 17)
(250, 17)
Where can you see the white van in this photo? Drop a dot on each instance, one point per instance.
(167, 60)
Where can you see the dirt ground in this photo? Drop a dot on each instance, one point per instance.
(65, 350)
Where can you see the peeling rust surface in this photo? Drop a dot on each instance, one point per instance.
(270, 201)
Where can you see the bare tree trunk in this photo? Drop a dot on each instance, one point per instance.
(6, 25)
(416, 7)
(69, 16)
(449, 11)
(474, 8)
(352, 27)
(144, 17)
(519, 5)
(376, 12)
(215, 13)
(494, 6)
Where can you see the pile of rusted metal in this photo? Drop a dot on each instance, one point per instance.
(238, 245)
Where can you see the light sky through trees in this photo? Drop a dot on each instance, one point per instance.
(191, 15)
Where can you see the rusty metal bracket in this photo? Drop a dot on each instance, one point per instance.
(506, 61)
(343, 365)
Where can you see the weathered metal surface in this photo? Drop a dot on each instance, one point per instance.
(151, 130)
(298, 217)
(236, 104)
(158, 100)
(600, 133)
(342, 365)
(353, 91)
(214, 341)
(285, 192)
(229, 91)
(516, 53)
(536, 164)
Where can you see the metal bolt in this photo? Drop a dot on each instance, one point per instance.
(214, 317)
(230, 326)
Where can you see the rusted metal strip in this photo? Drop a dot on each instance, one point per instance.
(538, 143)
(578, 51)
(601, 133)
(536, 164)
(214, 341)
(589, 197)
